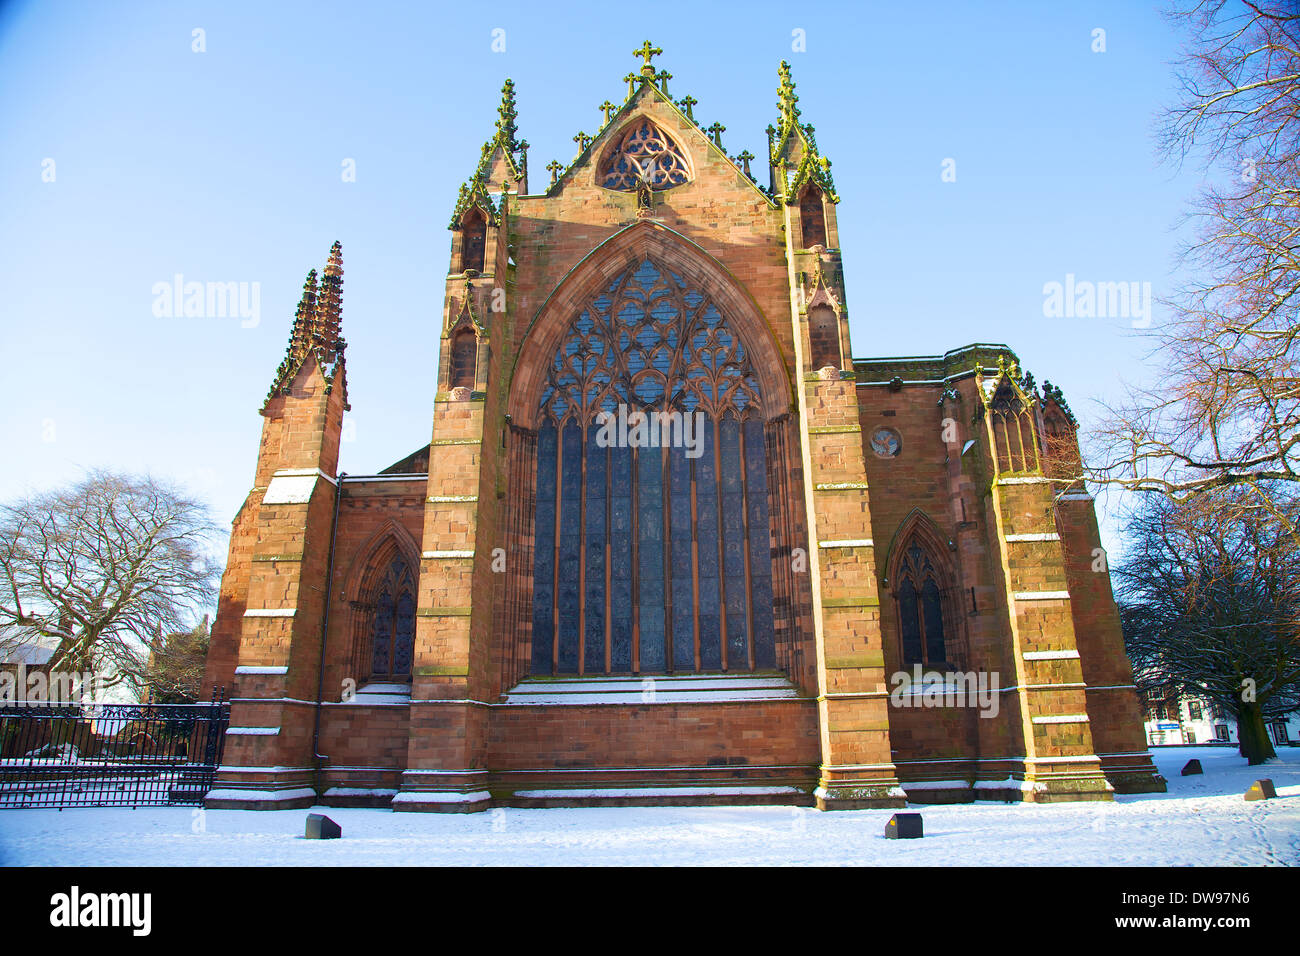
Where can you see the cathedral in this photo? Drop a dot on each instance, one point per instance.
(668, 541)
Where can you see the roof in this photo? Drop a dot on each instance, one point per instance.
(19, 645)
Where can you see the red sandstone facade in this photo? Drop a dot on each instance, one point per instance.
(390, 640)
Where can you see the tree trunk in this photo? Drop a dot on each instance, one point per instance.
(1256, 746)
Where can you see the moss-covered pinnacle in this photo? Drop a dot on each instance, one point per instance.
(474, 192)
(791, 142)
(1052, 393)
(316, 325)
(506, 127)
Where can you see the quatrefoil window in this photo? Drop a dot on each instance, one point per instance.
(644, 151)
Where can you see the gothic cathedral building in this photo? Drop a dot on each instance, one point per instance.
(669, 542)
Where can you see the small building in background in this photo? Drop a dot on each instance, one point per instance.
(1173, 719)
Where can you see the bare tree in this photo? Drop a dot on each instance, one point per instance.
(1210, 602)
(104, 568)
(1226, 411)
(176, 663)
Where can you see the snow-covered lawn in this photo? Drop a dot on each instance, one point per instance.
(1202, 820)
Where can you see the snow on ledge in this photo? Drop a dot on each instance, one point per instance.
(1010, 783)
(936, 784)
(433, 796)
(376, 695)
(272, 795)
(253, 731)
(360, 792)
(663, 689)
(1051, 655)
(822, 793)
(587, 794)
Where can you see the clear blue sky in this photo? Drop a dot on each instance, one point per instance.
(226, 166)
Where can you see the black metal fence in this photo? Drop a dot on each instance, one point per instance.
(110, 755)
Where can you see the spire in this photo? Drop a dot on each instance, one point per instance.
(506, 127)
(316, 324)
(789, 133)
(304, 320)
(787, 100)
(330, 305)
(475, 190)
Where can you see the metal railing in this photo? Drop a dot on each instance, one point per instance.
(110, 755)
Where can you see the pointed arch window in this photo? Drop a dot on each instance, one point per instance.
(1015, 443)
(921, 625)
(473, 241)
(824, 337)
(392, 633)
(652, 541)
(812, 218)
(464, 355)
(644, 150)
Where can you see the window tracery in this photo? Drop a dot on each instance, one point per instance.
(645, 152)
(393, 625)
(651, 555)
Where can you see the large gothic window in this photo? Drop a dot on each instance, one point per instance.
(920, 608)
(393, 627)
(644, 151)
(652, 543)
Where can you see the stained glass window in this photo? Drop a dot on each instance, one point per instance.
(652, 543)
(886, 443)
(644, 151)
(393, 629)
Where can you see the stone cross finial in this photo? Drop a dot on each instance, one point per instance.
(662, 78)
(554, 167)
(607, 107)
(687, 103)
(716, 131)
(646, 52)
(745, 158)
(582, 139)
(630, 80)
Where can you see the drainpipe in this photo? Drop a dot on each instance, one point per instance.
(318, 757)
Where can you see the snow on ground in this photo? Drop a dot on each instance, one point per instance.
(1201, 821)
